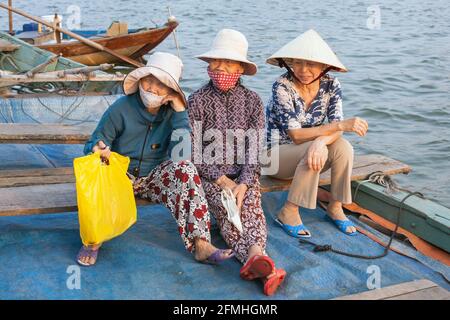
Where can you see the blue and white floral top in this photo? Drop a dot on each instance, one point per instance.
(286, 109)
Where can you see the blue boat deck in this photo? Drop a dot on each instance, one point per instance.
(149, 261)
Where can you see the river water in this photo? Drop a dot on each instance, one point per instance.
(398, 55)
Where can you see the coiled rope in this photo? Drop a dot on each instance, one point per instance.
(386, 181)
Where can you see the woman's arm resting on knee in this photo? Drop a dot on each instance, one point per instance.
(327, 140)
(302, 135)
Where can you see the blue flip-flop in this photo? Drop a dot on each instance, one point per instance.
(293, 231)
(342, 225)
(218, 256)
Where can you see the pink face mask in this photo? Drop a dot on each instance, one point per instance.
(224, 81)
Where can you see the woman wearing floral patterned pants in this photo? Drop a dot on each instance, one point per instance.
(226, 108)
(177, 186)
(146, 125)
(252, 218)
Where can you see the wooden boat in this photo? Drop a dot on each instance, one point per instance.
(420, 217)
(426, 219)
(25, 56)
(116, 46)
(31, 70)
(134, 45)
(35, 37)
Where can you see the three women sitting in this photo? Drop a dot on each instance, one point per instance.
(224, 119)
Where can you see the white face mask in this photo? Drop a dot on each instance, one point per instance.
(150, 100)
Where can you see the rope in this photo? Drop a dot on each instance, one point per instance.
(64, 116)
(386, 181)
(174, 35)
(328, 247)
(7, 56)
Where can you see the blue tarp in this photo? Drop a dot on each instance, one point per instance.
(149, 261)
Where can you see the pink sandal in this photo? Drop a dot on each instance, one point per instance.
(258, 266)
(272, 282)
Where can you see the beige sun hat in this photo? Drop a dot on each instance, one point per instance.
(232, 45)
(166, 67)
(308, 46)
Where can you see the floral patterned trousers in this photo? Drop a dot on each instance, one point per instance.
(177, 186)
(252, 218)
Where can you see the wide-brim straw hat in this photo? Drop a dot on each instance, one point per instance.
(308, 46)
(232, 45)
(166, 67)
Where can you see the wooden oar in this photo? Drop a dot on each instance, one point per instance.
(75, 36)
(30, 73)
(11, 30)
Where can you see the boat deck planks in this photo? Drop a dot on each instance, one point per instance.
(29, 177)
(30, 133)
(37, 199)
(415, 290)
(36, 191)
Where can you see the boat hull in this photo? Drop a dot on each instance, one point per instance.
(27, 56)
(426, 219)
(133, 45)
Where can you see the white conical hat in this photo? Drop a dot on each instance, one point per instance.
(166, 67)
(308, 46)
(230, 44)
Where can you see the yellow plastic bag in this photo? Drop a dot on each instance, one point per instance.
(106, 204)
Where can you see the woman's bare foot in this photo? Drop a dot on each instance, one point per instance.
(206, 252)
(289, 214)
(335, 211)
(203, 249)
(88, 256)
(253, 251)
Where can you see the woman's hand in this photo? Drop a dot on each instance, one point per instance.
(317, 155)
(239, 192)
(225, 182)
(176, 101)
(105, 151)
(357, 125)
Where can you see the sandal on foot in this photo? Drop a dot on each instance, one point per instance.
(87, 252)
(219, 256)
(293, 231)
(272, 282)
(342, 225)
(258, 266)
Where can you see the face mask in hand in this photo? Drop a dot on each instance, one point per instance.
(229, 202)
(149, 99)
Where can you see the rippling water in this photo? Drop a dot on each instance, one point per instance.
(399, 77)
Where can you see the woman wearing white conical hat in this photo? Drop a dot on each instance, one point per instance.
(302, 100)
